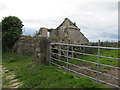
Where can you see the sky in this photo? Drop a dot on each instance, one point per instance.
(97, 19)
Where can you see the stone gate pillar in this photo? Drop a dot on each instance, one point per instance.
(42, 50)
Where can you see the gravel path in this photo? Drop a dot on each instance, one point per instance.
(0, 76)
(8, 79)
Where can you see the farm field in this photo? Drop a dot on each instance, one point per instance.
(106, 61)
(103, 69)
(21, 71)
(94, 59)
(75, 63)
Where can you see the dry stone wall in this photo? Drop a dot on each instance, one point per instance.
(37, 46)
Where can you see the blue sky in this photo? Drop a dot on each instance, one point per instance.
(97, 19)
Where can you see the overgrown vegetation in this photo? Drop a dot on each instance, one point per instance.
(27, 36)
(40, 76)
(11, 31)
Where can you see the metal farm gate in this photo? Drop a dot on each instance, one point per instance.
(70, 58)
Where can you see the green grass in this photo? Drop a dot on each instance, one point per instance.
(106, 61)
(34, 75)
(107, 53)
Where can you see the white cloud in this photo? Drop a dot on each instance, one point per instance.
(94, 17)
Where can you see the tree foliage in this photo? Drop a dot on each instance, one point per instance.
(11, 31)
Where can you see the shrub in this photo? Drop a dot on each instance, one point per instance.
(11, 31)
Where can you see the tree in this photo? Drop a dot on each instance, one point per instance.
(11, 31)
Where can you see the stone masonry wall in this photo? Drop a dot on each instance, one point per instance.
(36, 46)
(66, 32)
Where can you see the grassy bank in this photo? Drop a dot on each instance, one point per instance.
(35, 75)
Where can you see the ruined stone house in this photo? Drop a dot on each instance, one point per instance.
(67, 32)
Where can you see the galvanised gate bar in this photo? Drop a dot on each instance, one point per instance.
(65, 55)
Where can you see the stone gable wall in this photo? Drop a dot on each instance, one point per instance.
(67, 32)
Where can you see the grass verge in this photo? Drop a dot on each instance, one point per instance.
(41, 76)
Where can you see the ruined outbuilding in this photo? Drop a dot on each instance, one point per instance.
(39, 45)
(67, 32)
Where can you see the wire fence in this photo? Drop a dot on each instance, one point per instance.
(70, 57)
